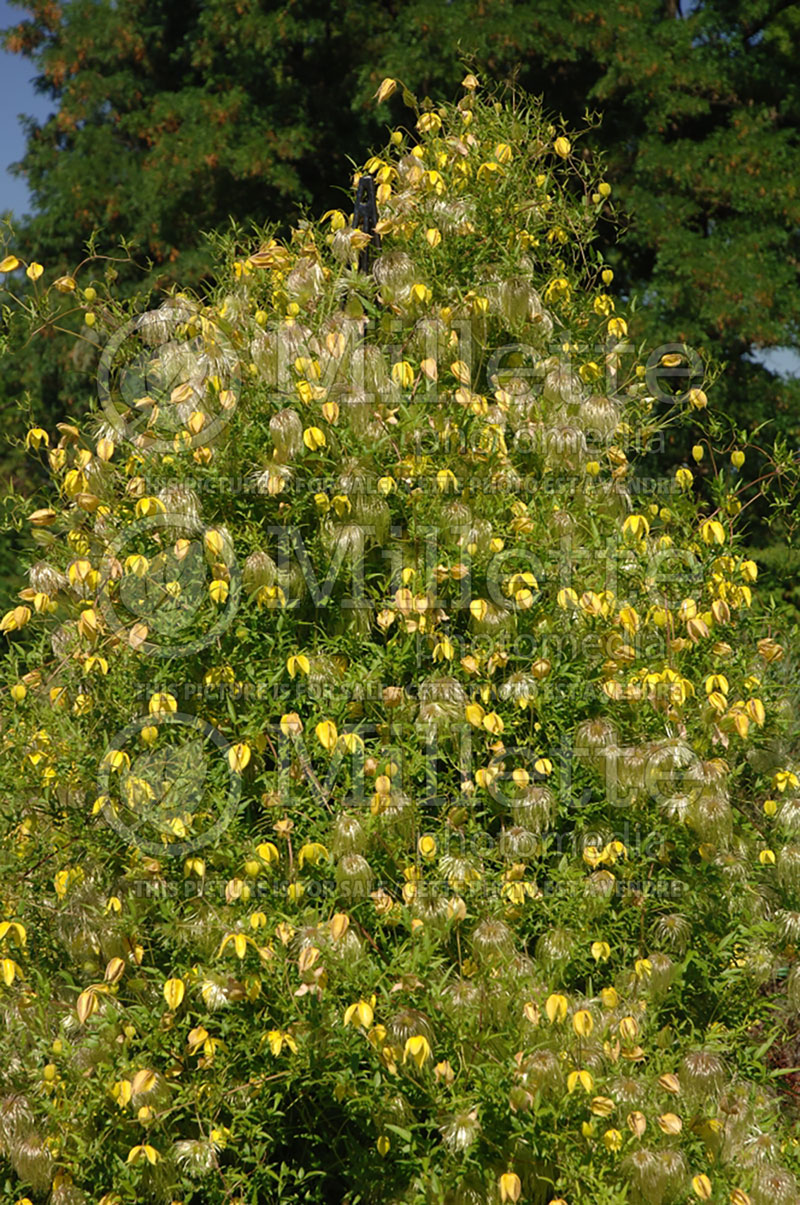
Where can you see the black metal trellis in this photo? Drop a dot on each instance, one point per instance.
(365, 217)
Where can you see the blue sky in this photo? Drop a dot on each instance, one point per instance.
(18, 96)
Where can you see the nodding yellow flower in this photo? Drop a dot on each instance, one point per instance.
(339, 925)
(239, 944)
(143, 1151)
(15, 930)
(493, 724)
(628, 1029)
(43, 517)
(13, 620)
(429, 122)
(701, 1186)
(387, 88)
(135, 564)
(582, 1023)
(601, 951)
(488, 170)
(362, 1012)
(116, 760)
(716, 682)
(562, 147)
(684, 478)
(268, 853)
(697, 399)
(162, 703)
(579, 1077)
(421, 294)
(9, 264)
(557, 289)
(239, 757)
(36, 437)
(297, 663)
(174, 990)
(75, 481)
(146, 507)
(417, 1048)
(327, 734)
(629, 620)
(712, 532)
(443, 651)
(555, 1007)
(313, 852)
(636, 527)
(291, 724)
(617, 328)
(403, 374)
(510, 1186)
(769, 649)
(34, 271)
(612, 1140)
(427, 846)
(314, 438)
(737, 459)
(351, 742)
(278, 1038)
